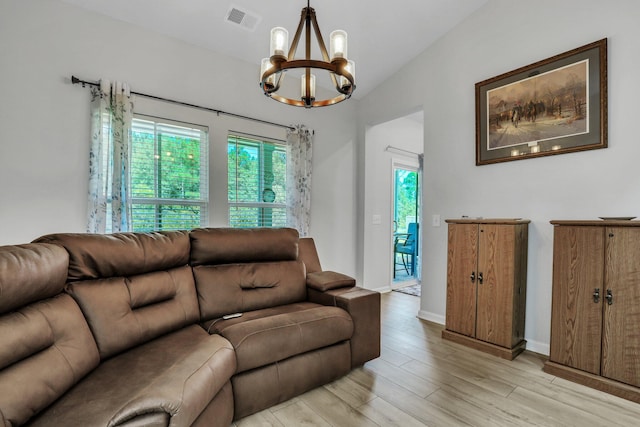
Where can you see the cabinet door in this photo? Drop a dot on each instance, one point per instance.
(461, 288)
(496, 263)
(621, 335)
(576, 318)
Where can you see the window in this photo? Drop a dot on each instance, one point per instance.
(257, 170)
(169, 175)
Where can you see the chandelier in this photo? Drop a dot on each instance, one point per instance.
(340, 69)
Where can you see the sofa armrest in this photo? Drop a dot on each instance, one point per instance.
(364, 307)
(326, 280)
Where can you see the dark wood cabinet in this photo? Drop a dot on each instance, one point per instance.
(595, 315)
(486, 284)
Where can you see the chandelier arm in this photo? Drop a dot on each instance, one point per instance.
(321, 45)
(310, 18)
(306, 95)
(334, 80)
(296, 37)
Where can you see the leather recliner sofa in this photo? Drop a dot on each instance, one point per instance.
(134, 329)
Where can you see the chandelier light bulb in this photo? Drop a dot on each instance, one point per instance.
(312, 87)
(279, 41)
(350, 67)
(265, 65)
(274, 79)
(338, 44)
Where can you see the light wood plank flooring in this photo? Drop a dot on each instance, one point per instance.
(422, 380)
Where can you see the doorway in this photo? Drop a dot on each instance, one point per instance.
(406, 224)
(395, 143)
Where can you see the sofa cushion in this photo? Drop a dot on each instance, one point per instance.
(241, 245)
(96, 256)
(46, 344)
(46, 349)
(261, 388)
(266, 336)
(232, 288)
(30, 273)
(172, 378)
(126, 311)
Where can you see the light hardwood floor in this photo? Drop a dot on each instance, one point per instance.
(422, 380)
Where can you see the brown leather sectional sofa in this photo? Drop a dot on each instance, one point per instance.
(132, 329)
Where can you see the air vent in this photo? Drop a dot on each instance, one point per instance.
(243, 18)
(236, 16)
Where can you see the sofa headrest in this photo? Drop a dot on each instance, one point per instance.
(94, 256)
(210, 246)
(30, 273)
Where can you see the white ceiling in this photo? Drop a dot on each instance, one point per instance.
(383, 35)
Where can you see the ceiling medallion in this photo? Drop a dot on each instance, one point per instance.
(340, 69)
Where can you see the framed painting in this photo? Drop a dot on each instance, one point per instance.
(554, 106)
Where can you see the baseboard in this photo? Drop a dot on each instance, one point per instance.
(532, 345)
(538, 347)
(431, 317)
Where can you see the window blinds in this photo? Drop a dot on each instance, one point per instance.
(169, 175)
(257, 170)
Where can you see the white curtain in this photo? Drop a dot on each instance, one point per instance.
(111, 117)
(299, 152)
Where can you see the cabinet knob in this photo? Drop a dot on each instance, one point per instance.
(609, 297)
(473, 276)
(480, 278)
(596, 295)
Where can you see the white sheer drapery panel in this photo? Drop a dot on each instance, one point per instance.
(299, 154)
(111, 117)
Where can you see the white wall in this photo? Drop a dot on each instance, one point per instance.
(378, 245)
(44, 121)
(502, 36)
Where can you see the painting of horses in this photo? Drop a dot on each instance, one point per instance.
(554, 106)
(547, 106)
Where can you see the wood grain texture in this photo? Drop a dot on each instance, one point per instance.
(576, 321)
(462, 262)
(597, 343)
(422, 380)
(495, 294)
(508, 353)
(621, 326)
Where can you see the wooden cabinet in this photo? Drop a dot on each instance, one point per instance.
(595, 315)
(486, 284)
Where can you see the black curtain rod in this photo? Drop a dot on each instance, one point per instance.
(75, 80)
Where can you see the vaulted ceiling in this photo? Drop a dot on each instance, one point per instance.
(383, 35)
